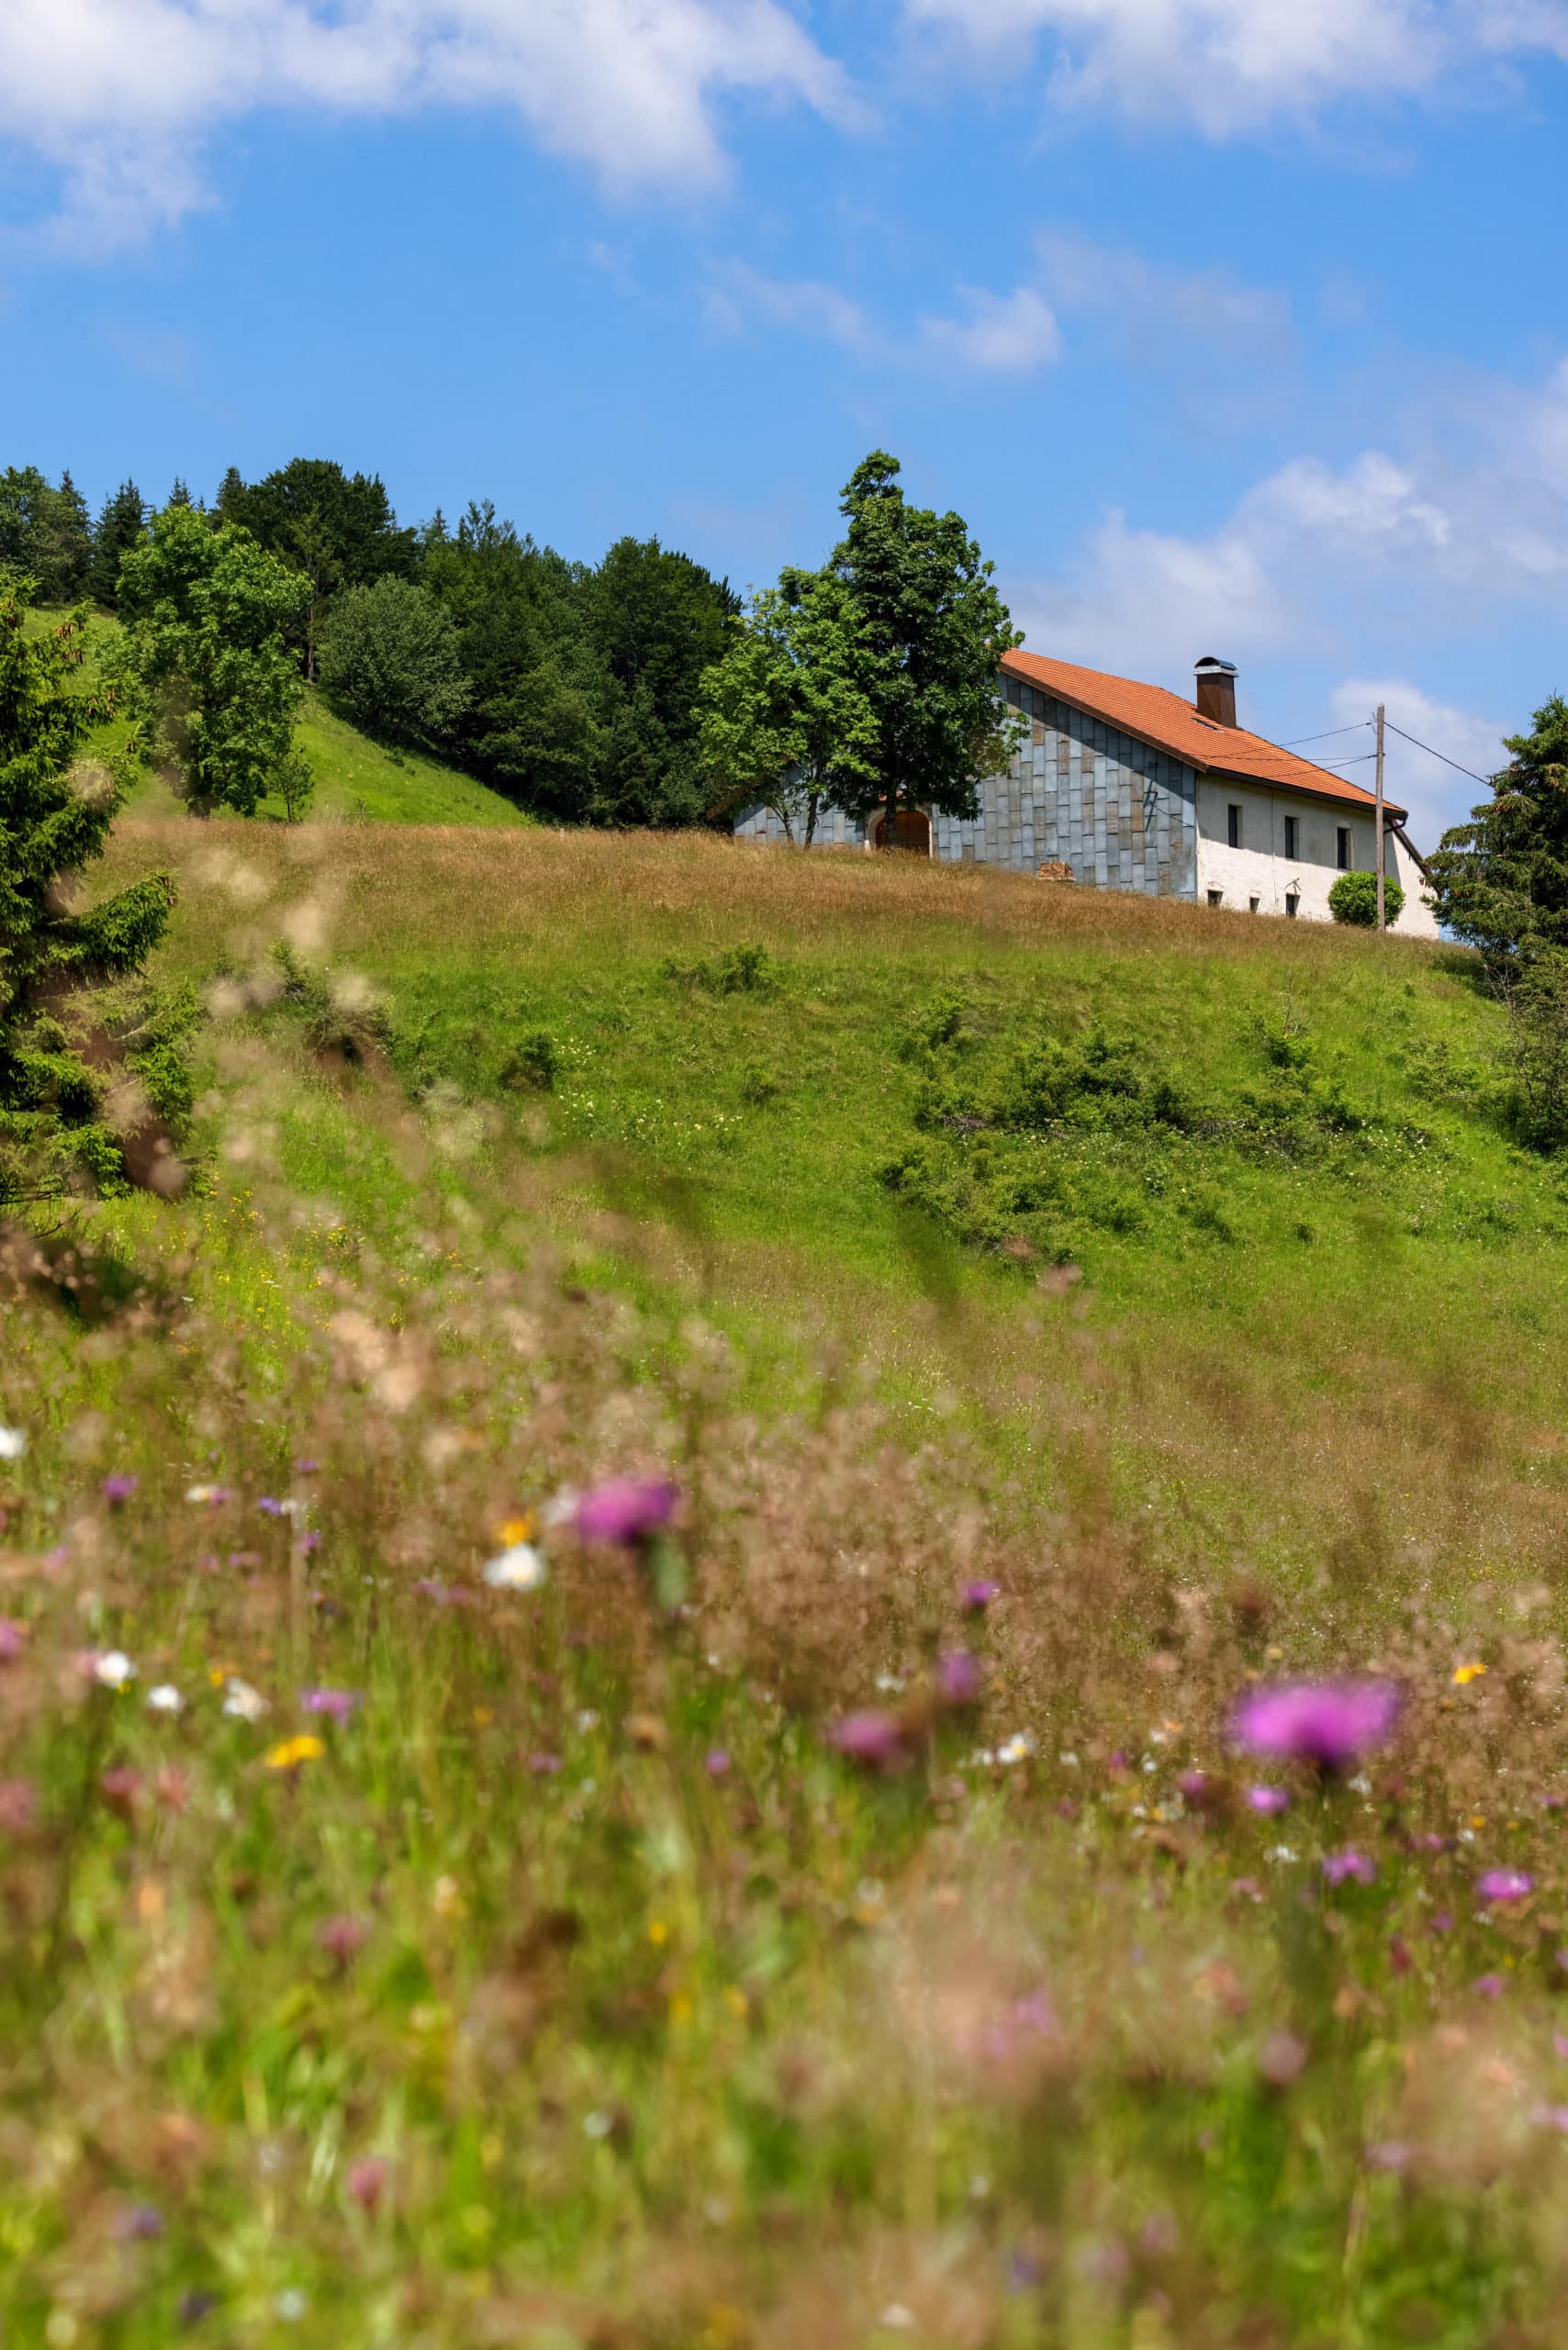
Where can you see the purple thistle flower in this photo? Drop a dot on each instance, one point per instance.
(18, 1806)
(115, 1490)
(959, 1678)
(1504, 1884)
(336, 1704)
(1330, 1723)
(1490, 1987)
(1268, 1800)
(13, 1638)
(626, 1510)
(140, 2223)
(544, 1766)
(366, 2180)
(342, 1938)
(1194, 1786)
(306, 1468)
(1341, 1868)
(873, 1739)
(717, 1761)
(270, 1507)
(978, 1596)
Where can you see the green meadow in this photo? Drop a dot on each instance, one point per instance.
(1059, 1315)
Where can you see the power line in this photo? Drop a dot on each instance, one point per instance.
(1296, 740)
(1438, 755)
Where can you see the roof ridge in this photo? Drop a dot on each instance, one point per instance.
(1160, 716)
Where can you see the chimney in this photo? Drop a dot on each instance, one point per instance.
(1216, 690)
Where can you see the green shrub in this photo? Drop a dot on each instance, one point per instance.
(747, 970)
(1353, 899)
(533, 1063)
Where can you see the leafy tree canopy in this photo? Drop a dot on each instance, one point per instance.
(785, 721)
(931, 628)
(336, 529)
(206, 611)
(69, 1061)
(1502, 879)
(393, 663)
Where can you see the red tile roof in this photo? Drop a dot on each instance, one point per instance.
(1173, 725)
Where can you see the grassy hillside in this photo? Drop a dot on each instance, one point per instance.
(844, 1916)
(356, 779)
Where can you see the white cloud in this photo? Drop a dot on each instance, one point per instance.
(1233, 66)
(1164, 316)
(1147, 604)
(119, 95)
(1000, 334)
(1435, 795)
(995, 334)
(740, 295)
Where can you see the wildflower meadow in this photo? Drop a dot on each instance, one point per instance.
(577, 1769)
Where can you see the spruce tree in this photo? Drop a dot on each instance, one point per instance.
(73, 1101)
(121, 526)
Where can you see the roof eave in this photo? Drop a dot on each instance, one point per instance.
(1392, 811)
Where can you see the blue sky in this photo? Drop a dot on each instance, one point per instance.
(1229, 328)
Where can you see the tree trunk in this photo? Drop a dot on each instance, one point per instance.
(891, 820)
(813, 801)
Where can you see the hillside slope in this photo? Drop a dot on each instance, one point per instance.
(786, 1086)
(356, 779)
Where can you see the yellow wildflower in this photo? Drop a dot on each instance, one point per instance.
(292, 1752)
(658, 1933)
(512, 1531)
(1465, 1673)
(737, 2002)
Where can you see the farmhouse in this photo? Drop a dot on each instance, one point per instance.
(1125, 786)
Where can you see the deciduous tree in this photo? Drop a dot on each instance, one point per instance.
(931, 630)
(785, 719)
(207, 608)
(392, 662)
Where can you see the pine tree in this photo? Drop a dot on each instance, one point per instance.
(121, 526)
(69, 1103)
(180, 494)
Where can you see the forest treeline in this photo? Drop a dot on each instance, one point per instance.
(572, 687)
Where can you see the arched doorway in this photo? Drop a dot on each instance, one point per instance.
(911, 832)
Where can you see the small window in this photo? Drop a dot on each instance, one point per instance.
(1252, 905)
(1293, 837)
(1233, 824)
(1216, 897)
(1291, 902)
(1343, 838)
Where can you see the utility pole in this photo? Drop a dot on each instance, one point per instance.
(1379, 837)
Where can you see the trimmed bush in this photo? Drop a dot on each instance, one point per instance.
(1353, 899)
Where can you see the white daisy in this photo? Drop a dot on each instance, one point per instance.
(521, 1568)
(12, 1444)
(164, 1699)
(114, 1669)
(246, 1704)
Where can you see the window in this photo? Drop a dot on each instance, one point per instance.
(1252, 905)
(1343, 838)
(1216, 897)
(1291, 902)
(1233, 824)
(1293, 837)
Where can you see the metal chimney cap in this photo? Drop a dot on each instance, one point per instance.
(1212, 666)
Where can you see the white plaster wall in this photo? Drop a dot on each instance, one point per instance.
(1259, 868)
